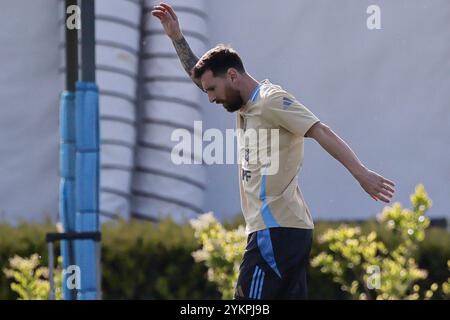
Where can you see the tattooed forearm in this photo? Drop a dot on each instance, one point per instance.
(187, 57)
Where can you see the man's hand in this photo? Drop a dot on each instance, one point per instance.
(376, 186)
(169, 20)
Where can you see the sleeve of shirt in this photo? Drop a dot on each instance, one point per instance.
(283, 110)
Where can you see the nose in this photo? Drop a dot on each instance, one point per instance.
(212, 98)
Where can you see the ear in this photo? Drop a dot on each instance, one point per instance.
(232, 73)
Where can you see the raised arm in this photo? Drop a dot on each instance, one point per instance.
(169, 21)
(375, 185)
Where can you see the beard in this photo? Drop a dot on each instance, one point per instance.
(233, 101)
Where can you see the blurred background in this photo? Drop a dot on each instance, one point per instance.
(384, 91)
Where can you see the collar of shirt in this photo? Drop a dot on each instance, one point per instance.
(253, 97)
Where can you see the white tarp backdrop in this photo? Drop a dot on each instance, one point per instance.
(29, 97)
(168, 101)
(386, 92)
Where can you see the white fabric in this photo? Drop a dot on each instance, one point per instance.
(117, 160)
(164, 110)
(165, 191)
(29, 103)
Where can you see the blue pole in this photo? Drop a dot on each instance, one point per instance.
(87, 185)
(87, 158)
(67, 150)
(67, 182)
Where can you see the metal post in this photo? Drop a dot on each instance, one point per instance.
(67, 196)
(88, 40)
(87, 156)
(51, 268)
(71, 50)
(98, 270)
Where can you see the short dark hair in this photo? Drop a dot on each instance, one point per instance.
(218, 59)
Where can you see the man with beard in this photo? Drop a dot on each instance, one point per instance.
(278, 222)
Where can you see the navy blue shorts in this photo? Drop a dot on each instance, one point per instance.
(274, 265)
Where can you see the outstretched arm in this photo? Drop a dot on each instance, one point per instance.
(375, 185)
(169, 21)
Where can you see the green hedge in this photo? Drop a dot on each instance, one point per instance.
(142, 260)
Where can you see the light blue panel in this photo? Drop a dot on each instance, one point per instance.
(266, 249)
(87, 115)
(87, 181)
(85, 257)
(67, 154)
(67, 160)
(87, 221)
(87, 295)
(269, 219)
(67, 204)
(67, 116)
(87, 184)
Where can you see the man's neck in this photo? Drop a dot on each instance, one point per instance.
(248, 87)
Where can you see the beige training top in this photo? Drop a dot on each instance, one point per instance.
(268, 174)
